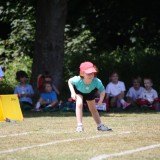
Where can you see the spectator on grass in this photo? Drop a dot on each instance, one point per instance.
(48, 98)
(24, 91)
(149, 96)
(46, 77)
(49, 79)
(40, 81)
(135, 91)
(1, 73)
(115, 91)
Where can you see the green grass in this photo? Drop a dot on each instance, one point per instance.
(56, 126)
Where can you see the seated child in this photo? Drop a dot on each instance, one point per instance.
(149, 96)
(24, 91)
(48, 78)
(48, 98)
(1, 73)
(45, 78)
(115, 92)
(40, 81)
(135, 91)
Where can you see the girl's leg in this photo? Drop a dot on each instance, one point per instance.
(54, 103)
(96, 117)
(113, 102)
(94, 112)
(156, 106)
(122, 101)
(119, 104)
(120, 98)
(38, 105)
(79, 106)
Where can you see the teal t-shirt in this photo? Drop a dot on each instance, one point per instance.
(78, 82)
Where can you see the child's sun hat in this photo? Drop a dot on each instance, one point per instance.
(87, 67)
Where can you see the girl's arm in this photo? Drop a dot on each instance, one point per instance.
(107, 96)
(73, 93)
(53, 103)
(28, 95)
(43, 102)
(102, 95)
(55, 89)
(38, 78)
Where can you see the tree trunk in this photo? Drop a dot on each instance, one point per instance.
(49, 40)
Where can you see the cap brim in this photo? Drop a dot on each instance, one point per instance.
(90, 70)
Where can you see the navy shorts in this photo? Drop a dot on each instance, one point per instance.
(87, 96)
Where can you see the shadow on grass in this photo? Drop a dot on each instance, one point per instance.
(29, 114)
(86, 113)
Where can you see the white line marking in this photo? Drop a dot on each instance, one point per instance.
(104, 156)
(14, 135)
(60, 141)
(26, 133)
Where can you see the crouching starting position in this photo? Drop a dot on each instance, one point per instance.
(84, 87)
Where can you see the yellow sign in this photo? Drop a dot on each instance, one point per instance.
(10, 108)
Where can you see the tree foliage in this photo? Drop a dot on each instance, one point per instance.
(115, 35)
(20, 17)
(114, 23)
(16, 51)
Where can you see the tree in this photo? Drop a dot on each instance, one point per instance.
(112, 33)
(49, 39)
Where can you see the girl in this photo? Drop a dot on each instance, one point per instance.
(24, 91)
(84, 87)
(45, 78)
(115, 92)
(48, 98)
(48, 78)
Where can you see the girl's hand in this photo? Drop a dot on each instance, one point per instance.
(73, 96)
(25, 95)
(19, 95)
(99, 103)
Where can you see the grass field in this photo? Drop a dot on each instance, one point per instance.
(52, 136)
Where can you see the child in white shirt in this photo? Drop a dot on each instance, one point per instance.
(115, 92)
(149, 96)
(135, 91)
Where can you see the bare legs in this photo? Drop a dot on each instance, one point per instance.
(79, 107)
(92, 108)
(94, 112)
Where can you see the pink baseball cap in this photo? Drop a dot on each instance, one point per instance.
(87, 67)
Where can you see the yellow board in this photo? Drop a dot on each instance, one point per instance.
(10, 108)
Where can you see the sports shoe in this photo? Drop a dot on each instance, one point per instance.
(36, 110)
(103, 128)
(125, 105)
(79, 128)
(48, 108)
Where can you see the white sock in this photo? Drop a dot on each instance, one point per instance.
(122, 101)
(99, 124)
(79, 124)
(38, 105)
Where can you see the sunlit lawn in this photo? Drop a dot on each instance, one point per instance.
(130, 131)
